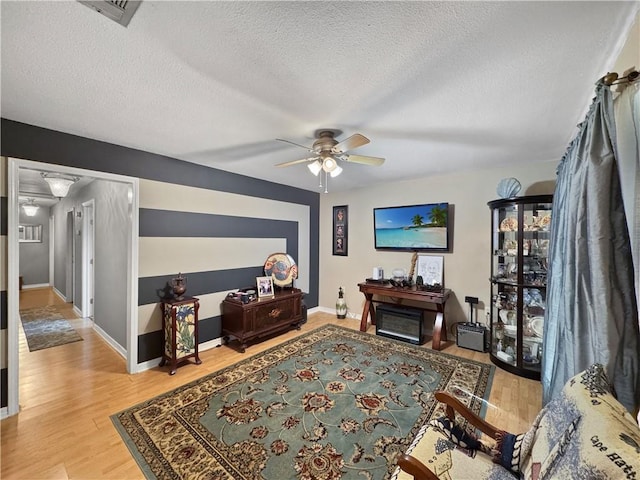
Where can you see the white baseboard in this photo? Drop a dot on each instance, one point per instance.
(57, 292)
(332, 310)
(77, 311)
(149, 364)
(35, 285)
(4, 413)
(216, 342)
(110, 341)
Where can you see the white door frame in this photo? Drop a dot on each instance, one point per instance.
(52, 246)
(88, 255)
(13, 298)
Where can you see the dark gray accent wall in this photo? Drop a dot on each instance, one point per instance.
(164, 223)
(153, 289)
(29, 142)
(3, 310)
(4, 382)
(4, 395)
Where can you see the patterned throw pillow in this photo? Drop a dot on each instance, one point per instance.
(511, 450)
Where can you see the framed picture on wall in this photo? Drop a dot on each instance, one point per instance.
(340, 230)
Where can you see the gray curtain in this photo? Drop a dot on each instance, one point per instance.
(591, 313)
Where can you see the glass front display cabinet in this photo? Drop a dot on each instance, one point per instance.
(519, 262)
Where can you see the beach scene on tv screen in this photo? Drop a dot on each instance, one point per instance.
(417, 226)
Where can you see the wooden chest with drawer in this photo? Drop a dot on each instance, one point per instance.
(259, 318)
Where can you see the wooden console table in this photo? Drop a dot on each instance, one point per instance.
(397, 294)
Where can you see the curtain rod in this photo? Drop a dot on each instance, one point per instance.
(612, 78)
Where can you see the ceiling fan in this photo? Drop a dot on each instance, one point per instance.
(327, 151)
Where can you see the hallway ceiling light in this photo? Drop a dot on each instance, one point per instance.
(30, 208)
(59, 183)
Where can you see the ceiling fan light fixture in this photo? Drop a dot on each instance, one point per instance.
(329, 164)
(327, 151)
(59, 183)
(315, 167)
(30, 208)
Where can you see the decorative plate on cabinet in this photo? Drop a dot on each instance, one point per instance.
(537, 324)
(282, 267)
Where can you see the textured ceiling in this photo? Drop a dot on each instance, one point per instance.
(436, 86)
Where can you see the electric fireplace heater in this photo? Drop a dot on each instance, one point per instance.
(401, 323)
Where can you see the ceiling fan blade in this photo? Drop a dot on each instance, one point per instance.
(297, 145)
(354, 141)
(295, 162)
(375, 161)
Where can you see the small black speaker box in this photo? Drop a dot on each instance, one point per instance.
(473, 336)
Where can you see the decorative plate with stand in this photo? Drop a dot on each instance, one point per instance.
(282, 267)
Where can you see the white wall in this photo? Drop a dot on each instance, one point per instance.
(629, 56)
(467, 267)
(34, 257)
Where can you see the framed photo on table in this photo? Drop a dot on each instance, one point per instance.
(264, 286)
(340, 230)
(431, 269)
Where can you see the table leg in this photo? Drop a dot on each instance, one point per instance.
(439, 329)
(367, 312)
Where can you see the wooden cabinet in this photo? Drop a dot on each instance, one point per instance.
(262, 317)
(180, 327)
(519, 249)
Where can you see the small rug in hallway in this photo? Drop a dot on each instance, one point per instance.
(45, 327)
(332, 403)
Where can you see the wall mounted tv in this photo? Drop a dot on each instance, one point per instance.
(417, 228)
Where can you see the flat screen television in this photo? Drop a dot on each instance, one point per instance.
(418, 228)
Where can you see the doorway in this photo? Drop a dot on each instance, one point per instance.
(131, 273)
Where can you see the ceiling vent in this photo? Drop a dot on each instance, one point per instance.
(120, 11)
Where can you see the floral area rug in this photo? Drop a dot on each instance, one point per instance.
(332, 403)
(45, 327)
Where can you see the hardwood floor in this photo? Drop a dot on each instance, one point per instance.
(67, 394)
